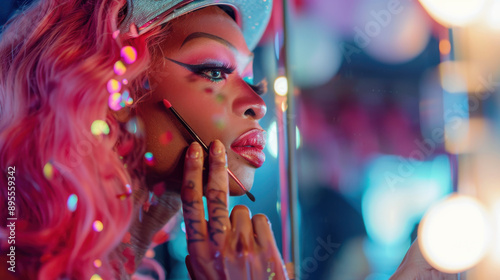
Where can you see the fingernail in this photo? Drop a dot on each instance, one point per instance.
(216, 148)
(194, 151)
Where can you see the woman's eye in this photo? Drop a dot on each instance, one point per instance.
(214, 74)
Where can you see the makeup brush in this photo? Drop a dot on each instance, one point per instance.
(205, 147)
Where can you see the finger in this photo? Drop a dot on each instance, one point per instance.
(189, 267)
(265, 239)
(242, 240)
(263, 231)
(217, 196)
(192, 203)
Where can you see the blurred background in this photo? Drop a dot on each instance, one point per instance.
(397, 130)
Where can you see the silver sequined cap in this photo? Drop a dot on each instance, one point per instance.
(251, 15)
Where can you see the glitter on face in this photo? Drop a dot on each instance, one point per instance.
(72, 202)
(99, 127)
(114, 86)
(48, 171)
(97, 263)
(97, 226)
(95, 277)
(129, 54)
(219, 98)
(114, 101)
(120, 68)
(166, 137)
(219, 122)
(149, 159)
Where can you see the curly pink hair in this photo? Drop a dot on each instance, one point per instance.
(55, 59)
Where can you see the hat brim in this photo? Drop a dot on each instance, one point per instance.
(251, 16)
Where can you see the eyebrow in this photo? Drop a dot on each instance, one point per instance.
(196, 35)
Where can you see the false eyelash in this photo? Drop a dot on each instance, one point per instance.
(260, 88)
(199, 69)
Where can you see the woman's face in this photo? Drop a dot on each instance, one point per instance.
(205, 62)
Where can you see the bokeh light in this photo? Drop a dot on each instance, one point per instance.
(114, 86)
(48, 171)
(119, 68)
(97, 226)
(281, 86)
(72, 202)
(97, 263)
(391, 33)
(453, 13)
(444, 47)
(314, 53)
(96, 277)
(129, 54)
(99, 127)
(114, 101)
(454, 234)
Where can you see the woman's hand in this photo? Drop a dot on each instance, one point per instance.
(234, 247)
(414, 267)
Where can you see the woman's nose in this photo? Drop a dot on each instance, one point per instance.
(249, 104)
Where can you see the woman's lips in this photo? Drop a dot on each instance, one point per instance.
(250, 146)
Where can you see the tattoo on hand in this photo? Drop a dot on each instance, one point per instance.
(212, 234)
(187, 206)
(190, 223)
(215, 199)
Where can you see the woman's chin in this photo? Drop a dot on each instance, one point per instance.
(246, 179)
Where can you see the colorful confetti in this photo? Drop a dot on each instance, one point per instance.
(116, 33)
(166, 137)
(125, 81)
(97, 226)
(99, 127)
(219, 98)
(97, 263)
(219, 122)
(129, 54)
(48, 171)
(119, 68)
(149, 159)
(114, 101)
(72, 202)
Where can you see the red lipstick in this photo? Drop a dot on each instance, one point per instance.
(250, 145)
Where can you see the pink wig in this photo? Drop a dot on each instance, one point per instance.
(55, 60)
